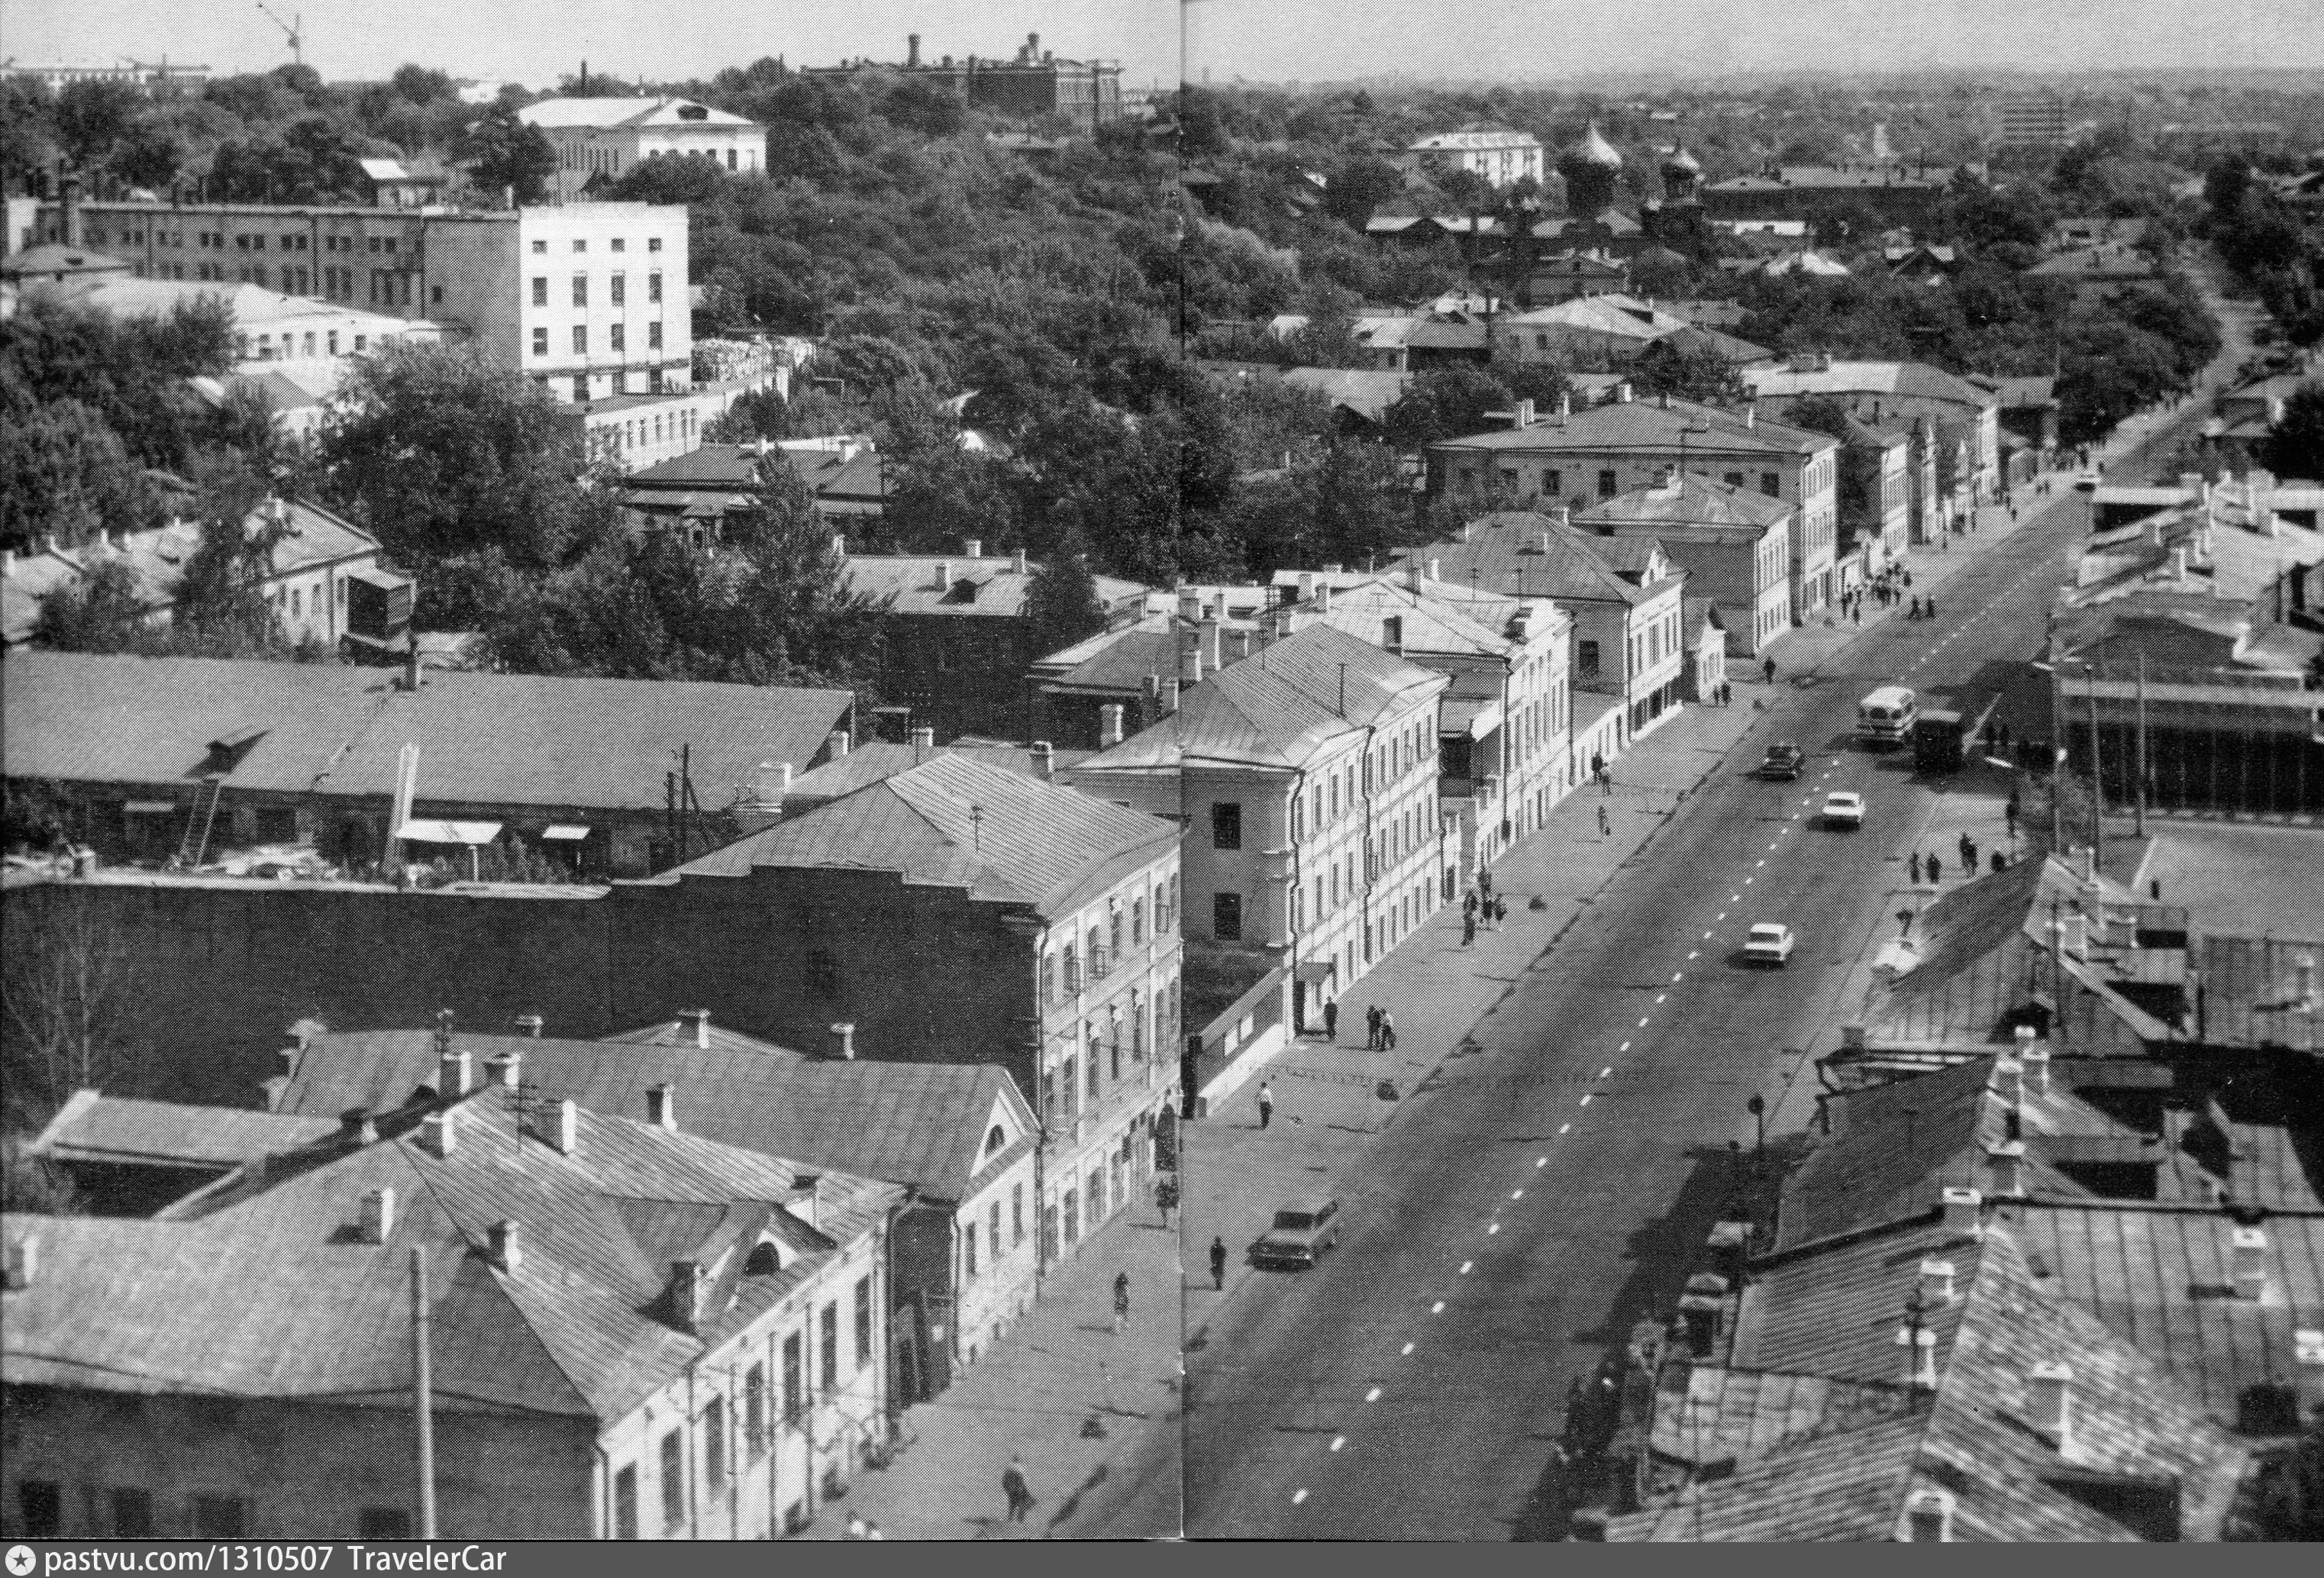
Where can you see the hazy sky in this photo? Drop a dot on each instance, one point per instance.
(534, 41)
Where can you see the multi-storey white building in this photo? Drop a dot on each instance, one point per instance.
(590, 299)
(610, 137)
(1499, 155)
(1305, 777)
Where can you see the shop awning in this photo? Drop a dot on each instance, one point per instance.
(1474, 716)
(469, 833)
(1313, 971)
(565, 831)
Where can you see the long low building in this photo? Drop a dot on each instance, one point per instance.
(162, 758)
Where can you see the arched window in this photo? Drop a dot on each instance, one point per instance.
(995, 1139)
(765, 1261)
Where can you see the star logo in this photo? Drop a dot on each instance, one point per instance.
(21, 1560)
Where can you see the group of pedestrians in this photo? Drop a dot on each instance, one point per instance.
(1923, 608)
(1930, 867)
(1480, 906)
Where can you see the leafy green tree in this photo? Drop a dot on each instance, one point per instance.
(420, 85)
(92, 116)
(28, 132)
(65, 474)
(1062, 605)
(501, 151)
(657, 181)
(442, 453)
(1358, 187)
(2294, 446)
(1448, 403)
(100, 613)
(1696, 372)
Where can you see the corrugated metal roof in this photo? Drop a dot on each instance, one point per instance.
(918, 1124)
(261, 1286)
(955, 821)
(487, 739)
(96, 1128)
(1518, 549)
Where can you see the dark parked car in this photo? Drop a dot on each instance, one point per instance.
(1783, 761)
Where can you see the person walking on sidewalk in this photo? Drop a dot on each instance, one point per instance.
(1332, 1021)
(1265, 1104)
(1915, 867)
(1856, 612)
(1605, 780)
(1165, 1197)
(1217, 1265)
(1605, 824)
(1371, 1029)
(1013, 1485)
(1468, 927)
(1967, 850)
(1120, 1301)
(1387, 1031)
(1768, 669)
(1936, 865)
(1501, 905)
(1485, 881)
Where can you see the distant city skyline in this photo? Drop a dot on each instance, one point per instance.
(536, 42)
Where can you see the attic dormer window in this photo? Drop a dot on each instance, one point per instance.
(692, 112)
(765, 1259)
(995, 1139)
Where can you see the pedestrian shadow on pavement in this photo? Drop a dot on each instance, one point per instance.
(1072, 1503)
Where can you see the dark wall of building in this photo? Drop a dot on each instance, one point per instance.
(211, 975)
(301, 1471)
(789, 955)
(959, 674)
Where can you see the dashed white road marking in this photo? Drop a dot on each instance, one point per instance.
(1746, 881)
(1764, 863)
(1373, 1396)
(1407, 1351)
(1722, 914)
(1642, 1023)
(1492, 1230)
(1562, 1128)
(1540, 1162)
(1465, 1266)
(1338, 1441)
(1608, 1069)
(1697, 955)
(1298, 1496)
(1436, 1308)
(1516, 1193)
(1585, 1100)
(1625, 1047)
(1678, 975)
(1662, 997)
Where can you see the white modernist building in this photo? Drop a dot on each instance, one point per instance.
(613, 136)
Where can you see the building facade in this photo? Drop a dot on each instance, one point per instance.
(1305, 779)
(588, 300)
(1497, 155)
(604, 139)
(1735, 545)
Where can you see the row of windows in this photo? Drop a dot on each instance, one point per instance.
(265, 348)
(992, 1231)
(614, 244)
(1509, 479)
(715, 1423)
(632, 435)
(1104, 943)
(617, 285)
(134, 1512)
(617, 339)
(1078, 1080)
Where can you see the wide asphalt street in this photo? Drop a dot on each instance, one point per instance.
(1553, 1182)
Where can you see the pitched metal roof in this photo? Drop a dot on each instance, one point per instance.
(868, 763)
(1516, 550)
(262, 1286)
(957, 585)
(604, 113)
(954, 821)
(498, 739)
(1650, 426)
(1914, 379)
(1694, 501)
(95, 1128)
(922, 1124)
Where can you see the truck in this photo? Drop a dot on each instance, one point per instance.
(1885, 717)
(1937, 737)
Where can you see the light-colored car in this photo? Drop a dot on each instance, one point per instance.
(1843, 808)
(1303, 1229)
(1768, 944)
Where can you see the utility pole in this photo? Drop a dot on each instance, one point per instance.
(2058, 761)
(2141, 765)
(423, 1401)
(2097, 779)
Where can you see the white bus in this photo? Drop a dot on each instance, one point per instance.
(1886, 717)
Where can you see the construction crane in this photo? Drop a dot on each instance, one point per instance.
(293, 27)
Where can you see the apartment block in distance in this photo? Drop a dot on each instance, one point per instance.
(601, 140)
(588, 300)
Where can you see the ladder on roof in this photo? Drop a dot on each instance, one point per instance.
(197, 842)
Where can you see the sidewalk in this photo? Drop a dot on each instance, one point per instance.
(1059, 1375)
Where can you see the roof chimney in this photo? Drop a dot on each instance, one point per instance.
(504, 1070)
(452, 1073)
(1937, 1282)
(694, 1027)
(378, 1215)
(2006, 1079)
(1019, 563)
(1436, 569)
(1109, 725)
(2036, 1062)
(2306, 971)
(1170, 695)
(1964, 1212)
(1044, 759)
(22, 1263)
(2050, 1403)
(2008, 1160)
(661, 1106)
(836, 743)
(944, 575)
(1750, 417)
(1415, 574)
(839, 546)
(2307, 1358)
(1213, 647)
(357, 1127)
(568, 1126)
(1564, 408)
(529, 1024)
(923, 739)
(1323, 597)
(439, 1133)
(68, 206)
(912, 57)
(1929, 1517)
(506, 1245)
(1190, 657)
(2248, 1247)
(1919, 1356)
(1622, 393)
(973, 547)
(842, 1041)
